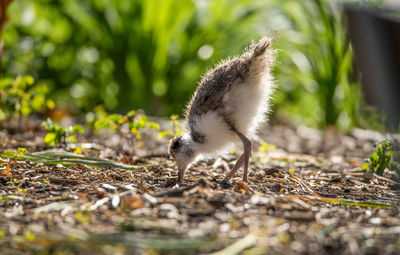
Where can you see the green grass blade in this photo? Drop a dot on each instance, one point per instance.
(66, 158)
(372, 204)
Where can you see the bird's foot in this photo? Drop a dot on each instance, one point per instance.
(170, 182)
(225, 183)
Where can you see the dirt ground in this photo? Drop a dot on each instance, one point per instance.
(306, 194)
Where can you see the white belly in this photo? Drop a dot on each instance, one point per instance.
(247, 106)
(218, 134)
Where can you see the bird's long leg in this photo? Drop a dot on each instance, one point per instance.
(238, 164)
(246, 152)
(244, 158)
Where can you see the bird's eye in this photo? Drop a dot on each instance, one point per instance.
(176, 145)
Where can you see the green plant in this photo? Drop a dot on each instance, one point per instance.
(57, 134)
(176, 129)
(128, 53)
(382, 158)
(150, 54)
(126, 125)
(316, 77)
(20, 96)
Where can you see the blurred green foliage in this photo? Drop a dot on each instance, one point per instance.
(124, 54)
(21, 97)
(130, 54)
(316, 74)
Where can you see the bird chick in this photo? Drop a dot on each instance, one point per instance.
(229, 105)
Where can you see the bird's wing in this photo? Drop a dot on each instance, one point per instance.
(217, 82)
(208, 100)
(208, 97)
(212, 89)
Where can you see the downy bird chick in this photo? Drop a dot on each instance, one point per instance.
(229, 105)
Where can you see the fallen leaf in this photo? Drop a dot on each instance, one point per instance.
(133, 202)
(242, 187)
(6, 171)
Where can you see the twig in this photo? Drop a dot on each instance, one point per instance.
(385, 179)
(238, 246)
(56, 206)
(104, 200)
(302, 184)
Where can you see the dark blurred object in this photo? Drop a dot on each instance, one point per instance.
(375, 36)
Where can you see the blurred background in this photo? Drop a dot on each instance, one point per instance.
(150, 55)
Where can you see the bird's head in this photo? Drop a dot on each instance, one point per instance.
(182, 151)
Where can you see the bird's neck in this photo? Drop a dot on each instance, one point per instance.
(190, 145)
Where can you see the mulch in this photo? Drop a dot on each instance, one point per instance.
(306, 195)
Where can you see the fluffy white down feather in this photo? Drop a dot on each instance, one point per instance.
(249, 105)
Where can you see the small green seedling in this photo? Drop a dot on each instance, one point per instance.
(127, 125)
(141, 122)
(176, 129)
(382, 158)
(57, 134)
(21, 97)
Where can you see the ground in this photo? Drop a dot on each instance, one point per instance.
(306, 194)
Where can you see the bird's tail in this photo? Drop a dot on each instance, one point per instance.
(261, 57)
(261, 46)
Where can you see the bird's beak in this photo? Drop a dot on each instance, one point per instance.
(181, 173)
